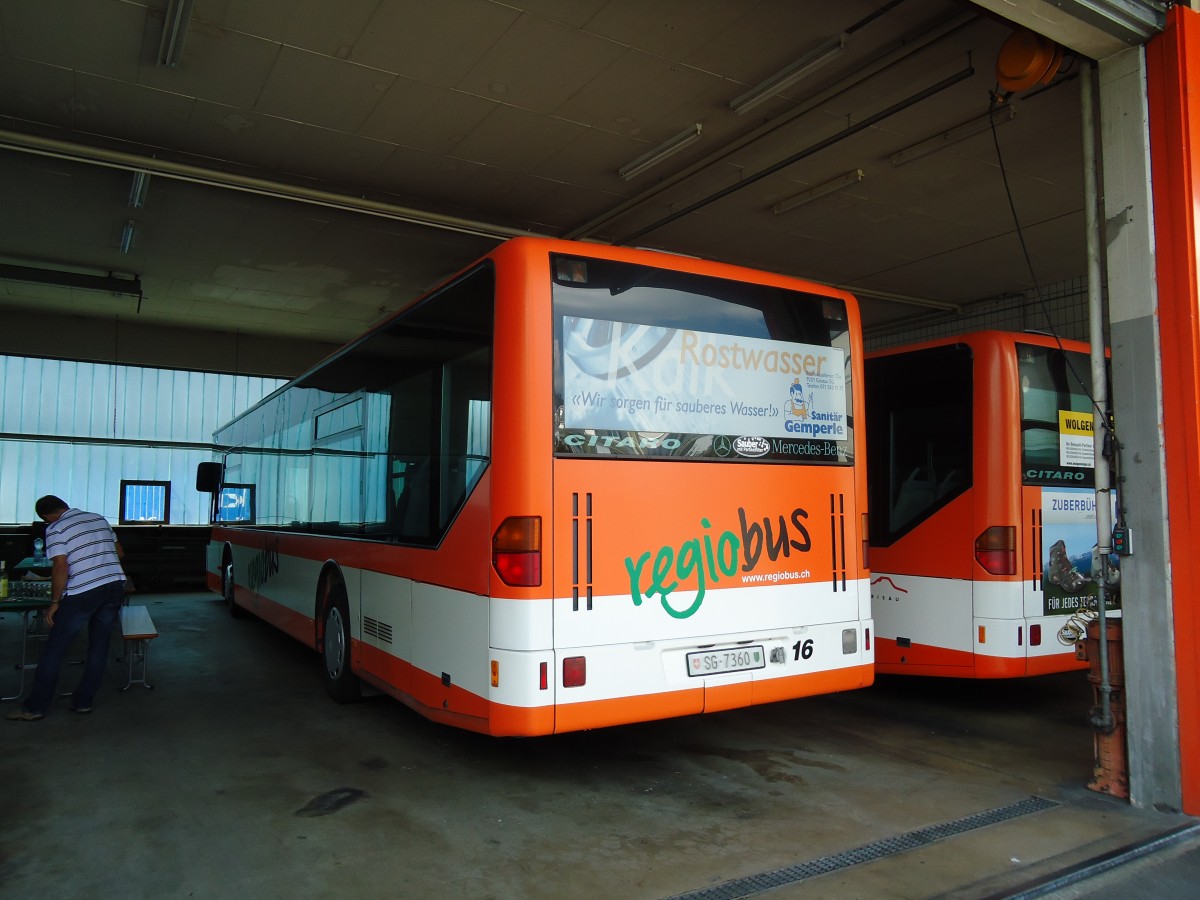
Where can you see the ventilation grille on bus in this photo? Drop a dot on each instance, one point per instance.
(381, 631)
(581, 551)
(837, 534)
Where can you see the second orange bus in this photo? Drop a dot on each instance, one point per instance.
(983, 525)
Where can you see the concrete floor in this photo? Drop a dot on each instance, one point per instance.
(237, 777)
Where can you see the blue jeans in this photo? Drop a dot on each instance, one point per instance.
(98, 609)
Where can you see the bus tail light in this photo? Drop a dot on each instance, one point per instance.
(517, 551)
(866, 638)
(575, 671)
(866, 542)
(1035, 635)
(543, 676)
(996, 550)
(495, 673)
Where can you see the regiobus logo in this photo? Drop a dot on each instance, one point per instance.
(708, 558)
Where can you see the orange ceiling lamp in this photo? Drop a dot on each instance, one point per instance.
(1027, 59)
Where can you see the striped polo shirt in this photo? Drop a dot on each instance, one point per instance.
(88, 543)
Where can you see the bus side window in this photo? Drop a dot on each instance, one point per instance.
(919, 436)
(917, 493)
(952, 483)
(412, 500)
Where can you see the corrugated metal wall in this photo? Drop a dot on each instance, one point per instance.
(1062, 306)
(77, 429)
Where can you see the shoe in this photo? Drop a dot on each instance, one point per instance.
(23, 715)
(1062, 571)
(82, 710)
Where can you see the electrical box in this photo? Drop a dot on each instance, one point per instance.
(1122, 541)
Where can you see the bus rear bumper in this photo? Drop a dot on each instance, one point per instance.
(656, 680)
(1002, 648)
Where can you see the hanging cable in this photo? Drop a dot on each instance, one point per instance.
(998, 99)
(1074, 629)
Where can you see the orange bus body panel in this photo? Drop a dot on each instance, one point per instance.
(522, 404)
(921, 659)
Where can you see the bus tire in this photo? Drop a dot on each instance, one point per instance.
(342, 684)
(236, 611)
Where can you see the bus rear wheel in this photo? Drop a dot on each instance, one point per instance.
(340, 682)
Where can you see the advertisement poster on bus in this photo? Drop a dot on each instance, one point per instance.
(1069, 552)
(1076, 439)
(628, 377)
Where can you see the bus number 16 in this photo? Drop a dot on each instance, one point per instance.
(803, 649)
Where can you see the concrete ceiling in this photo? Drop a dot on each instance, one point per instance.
(315, 164)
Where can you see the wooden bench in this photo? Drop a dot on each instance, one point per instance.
(138, 630)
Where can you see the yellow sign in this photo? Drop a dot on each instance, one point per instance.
(1082, 424)
(1076, 444)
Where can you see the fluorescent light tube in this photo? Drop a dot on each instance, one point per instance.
(137, 190)
(175, 26)
(785, 78)
(110, 283)
(832, 186)
(967, 129)
(668, 148)
(127, 236)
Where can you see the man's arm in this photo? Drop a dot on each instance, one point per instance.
(58, 584)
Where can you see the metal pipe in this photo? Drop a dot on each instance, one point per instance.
(1104, 721)
(117, 159)
(866, 123)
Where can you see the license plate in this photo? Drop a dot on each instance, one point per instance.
(733, 659)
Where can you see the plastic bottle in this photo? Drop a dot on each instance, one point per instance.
(3, 580)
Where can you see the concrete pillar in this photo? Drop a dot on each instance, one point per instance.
(1137, 404)
(1151, 146)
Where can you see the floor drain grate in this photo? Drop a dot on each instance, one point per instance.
(765, 881)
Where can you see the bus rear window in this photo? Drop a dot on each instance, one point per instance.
(1057, 444)
(654, 363)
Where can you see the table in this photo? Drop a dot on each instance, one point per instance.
(40, 567)
(30, 609)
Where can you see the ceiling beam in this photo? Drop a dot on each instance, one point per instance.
(1093, 28)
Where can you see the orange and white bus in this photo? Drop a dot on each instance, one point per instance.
(575, 486)
(983, 532)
